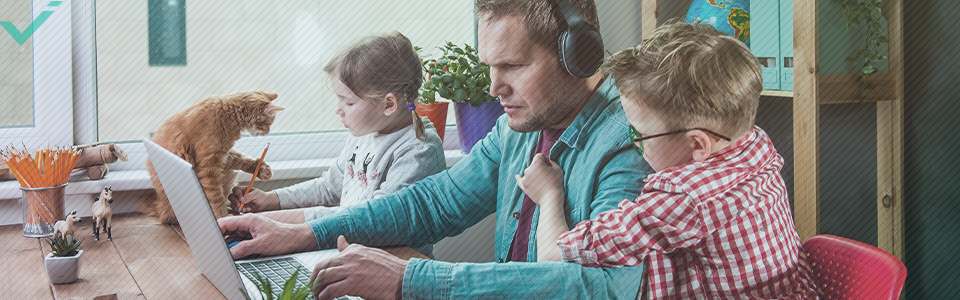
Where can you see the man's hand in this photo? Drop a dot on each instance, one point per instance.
(361, 271)
(255, 201)
(269, 237)
(542, 181)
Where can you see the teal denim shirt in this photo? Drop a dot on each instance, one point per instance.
(600, 169)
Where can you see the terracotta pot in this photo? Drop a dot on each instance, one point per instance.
(437, 113)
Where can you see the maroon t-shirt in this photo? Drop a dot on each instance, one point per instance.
(522, 238)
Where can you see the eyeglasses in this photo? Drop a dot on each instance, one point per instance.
(638, 138)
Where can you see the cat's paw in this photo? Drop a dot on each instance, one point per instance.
(265, 172)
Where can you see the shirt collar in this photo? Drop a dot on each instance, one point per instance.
(575, 135)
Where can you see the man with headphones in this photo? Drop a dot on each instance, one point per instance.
(544, 57)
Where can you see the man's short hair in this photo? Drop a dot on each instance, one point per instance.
(692, 75)
(542, 18)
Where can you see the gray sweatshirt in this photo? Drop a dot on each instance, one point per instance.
(368, 167)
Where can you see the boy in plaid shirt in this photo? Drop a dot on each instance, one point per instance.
(715, 220)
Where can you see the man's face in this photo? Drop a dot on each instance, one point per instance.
(534, 91)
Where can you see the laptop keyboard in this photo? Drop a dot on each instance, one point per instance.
(276, 271)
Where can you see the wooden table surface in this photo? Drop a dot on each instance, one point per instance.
(145, 260)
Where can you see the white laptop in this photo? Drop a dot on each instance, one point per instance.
(232, 278)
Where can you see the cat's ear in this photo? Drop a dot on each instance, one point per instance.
(272, 109)
(271, 97)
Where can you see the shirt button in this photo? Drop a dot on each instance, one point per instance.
(516, 215)
(500, 260)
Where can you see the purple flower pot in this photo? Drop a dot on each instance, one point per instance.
(473, 123)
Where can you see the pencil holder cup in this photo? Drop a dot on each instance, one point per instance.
(42, 208)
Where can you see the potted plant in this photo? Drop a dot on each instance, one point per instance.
(459, 76)
(63, 261)
(289, 291)
(433, 109)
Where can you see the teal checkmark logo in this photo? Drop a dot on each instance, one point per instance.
(22, 36)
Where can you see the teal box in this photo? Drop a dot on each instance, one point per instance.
(765, 40)
(786, 45)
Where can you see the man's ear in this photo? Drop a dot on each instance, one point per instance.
(390, 104)
(702, 145)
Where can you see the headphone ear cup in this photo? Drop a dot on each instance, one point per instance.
(581, 50)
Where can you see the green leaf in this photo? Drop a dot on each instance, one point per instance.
(459, 95)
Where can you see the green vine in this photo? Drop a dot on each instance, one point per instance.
(866, 13)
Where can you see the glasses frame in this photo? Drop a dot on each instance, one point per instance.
(638, 138)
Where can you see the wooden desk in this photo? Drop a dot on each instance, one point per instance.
(145, 260)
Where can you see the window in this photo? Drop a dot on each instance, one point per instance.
(279, 47)
(35, 74)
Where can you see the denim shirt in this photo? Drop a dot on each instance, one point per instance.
(600, 169)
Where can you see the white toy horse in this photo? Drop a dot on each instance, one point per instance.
(102, 213)
(65, 226)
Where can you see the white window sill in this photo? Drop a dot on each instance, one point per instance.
(130, 180)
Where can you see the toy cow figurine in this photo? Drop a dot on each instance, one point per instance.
(65, 226)
(102, 213)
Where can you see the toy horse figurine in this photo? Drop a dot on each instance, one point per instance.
(102, 213)
(65, 226)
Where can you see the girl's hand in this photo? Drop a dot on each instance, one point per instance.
(542, 181)
(255, 201)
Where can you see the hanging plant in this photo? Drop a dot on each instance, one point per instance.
(866, 13)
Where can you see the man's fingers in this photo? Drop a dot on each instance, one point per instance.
(240, 250)
(520, 182)
(342, 243)
(232, 224)
(331, 291)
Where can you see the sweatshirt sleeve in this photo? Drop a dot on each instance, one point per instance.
(323, 191)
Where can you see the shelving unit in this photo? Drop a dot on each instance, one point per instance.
(811, 90)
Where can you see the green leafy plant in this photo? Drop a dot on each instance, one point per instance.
(457, 75)
(62, 246)
(866, 13)
(289, 291)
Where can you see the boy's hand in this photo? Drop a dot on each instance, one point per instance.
(542, 181)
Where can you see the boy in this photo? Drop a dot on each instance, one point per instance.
(714, 221)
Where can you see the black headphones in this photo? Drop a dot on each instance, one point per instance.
(580, 46)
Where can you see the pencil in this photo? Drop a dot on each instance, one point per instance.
(254, 177)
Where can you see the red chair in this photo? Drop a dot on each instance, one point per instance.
(848, 269)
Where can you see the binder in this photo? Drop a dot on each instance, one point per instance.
(786, 45)
(765, 40)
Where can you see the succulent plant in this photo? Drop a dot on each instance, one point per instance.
(62, 246)
(289, 291)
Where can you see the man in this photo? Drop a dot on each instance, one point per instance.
(577, 122)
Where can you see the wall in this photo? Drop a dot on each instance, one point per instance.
(932, 165)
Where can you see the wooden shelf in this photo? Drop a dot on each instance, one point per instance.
(776, 93)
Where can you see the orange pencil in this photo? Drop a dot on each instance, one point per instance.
(255, 172)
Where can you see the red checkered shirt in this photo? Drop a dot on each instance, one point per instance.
(721, 228)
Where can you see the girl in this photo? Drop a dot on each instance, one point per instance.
(376, 81)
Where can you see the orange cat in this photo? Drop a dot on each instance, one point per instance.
(204, 135)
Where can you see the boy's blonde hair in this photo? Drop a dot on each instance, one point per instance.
(380, 65)
(692, 75)
(542, 19)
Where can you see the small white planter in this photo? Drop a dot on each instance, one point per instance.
(62, 269)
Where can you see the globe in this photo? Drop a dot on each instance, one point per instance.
(729, 16)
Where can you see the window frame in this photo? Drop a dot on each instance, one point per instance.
(52, 83)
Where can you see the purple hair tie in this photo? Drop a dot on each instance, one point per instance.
(411, 106)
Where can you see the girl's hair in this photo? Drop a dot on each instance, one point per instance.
(379, 65)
